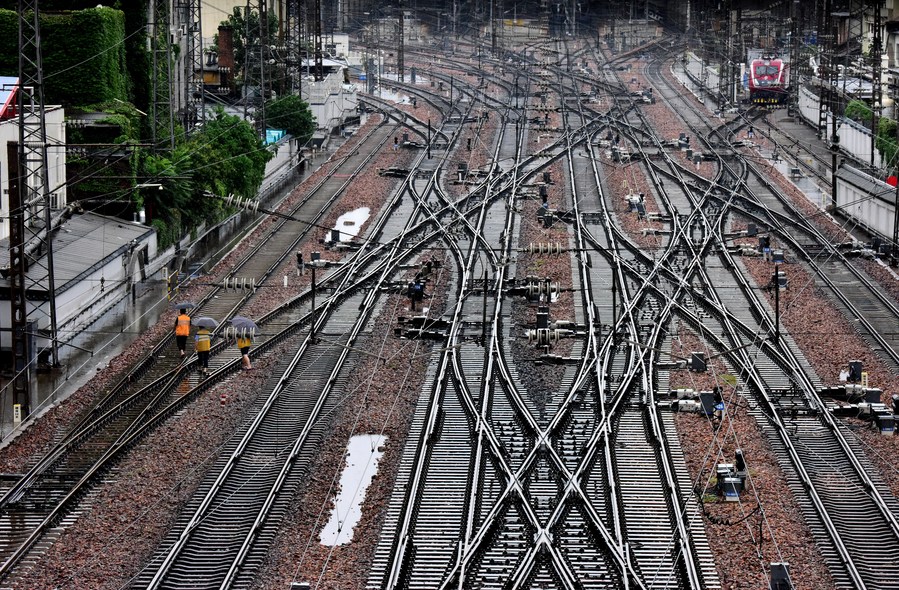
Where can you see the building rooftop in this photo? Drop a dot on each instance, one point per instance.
(79, 246)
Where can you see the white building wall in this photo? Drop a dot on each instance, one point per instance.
(56, 161)
(330, 100)
(855, 139)
(876, 211)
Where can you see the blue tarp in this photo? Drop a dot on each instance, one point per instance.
(274, 135)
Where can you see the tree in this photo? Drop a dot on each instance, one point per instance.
(291, 114)
(246, 35)
(226, 156)
(172, 201)
(886, 141)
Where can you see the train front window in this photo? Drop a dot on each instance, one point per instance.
(766, 70)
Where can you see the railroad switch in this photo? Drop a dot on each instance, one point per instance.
(554, 359)
(779, 280)
(547, 216)
(853, 393)
(780, 576)
(421, 322)
(421, 327)
(744, 250)
(697, 362)
(399, 286)
(730, 485)
(633, 200)
(620, 155)
(394, 172)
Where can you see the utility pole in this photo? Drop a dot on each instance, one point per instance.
(825, 64)
(399, 52)
(263, 63)
(793, 73)
(31, 214)
(830, 82)
(876, 88)
(737, 57)
(492, 30)
(724, 50)
(194, 108)
(292, 43)
(163, 130)
(317, 39)
(895, 246)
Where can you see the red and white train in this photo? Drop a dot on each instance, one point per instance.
(767, 81)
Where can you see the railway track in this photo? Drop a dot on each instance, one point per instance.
(540, 455)
(814, 434)
(60, 478)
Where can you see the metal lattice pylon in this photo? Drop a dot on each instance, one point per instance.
(293, 37)
(193, 110)
(400, 51)
(163, 131)
(31, 273)
(876, 76)
(256, 57)
(317, 39)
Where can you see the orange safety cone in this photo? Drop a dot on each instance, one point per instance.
(224, 398)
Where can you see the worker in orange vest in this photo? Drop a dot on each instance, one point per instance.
(182, 330)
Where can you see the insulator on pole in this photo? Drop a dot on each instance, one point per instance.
(545, 248)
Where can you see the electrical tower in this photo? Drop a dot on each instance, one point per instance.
(293, 42)
(827, 41)
(163, 123)
(317, 39)
(399, 52)
(194, 102)
(794, 72)
(30, 273)
(876, 79)
(264, 53)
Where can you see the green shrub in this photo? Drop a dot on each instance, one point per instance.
(886, 141)
(859, 111)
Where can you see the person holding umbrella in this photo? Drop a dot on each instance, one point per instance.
(244, 341)
(203, 341)
(245, 329)
(182, 329)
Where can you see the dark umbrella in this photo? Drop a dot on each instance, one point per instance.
(242, 324)
(184, 305)
(205, 322)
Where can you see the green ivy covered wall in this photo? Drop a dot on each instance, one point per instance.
(83, 53)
